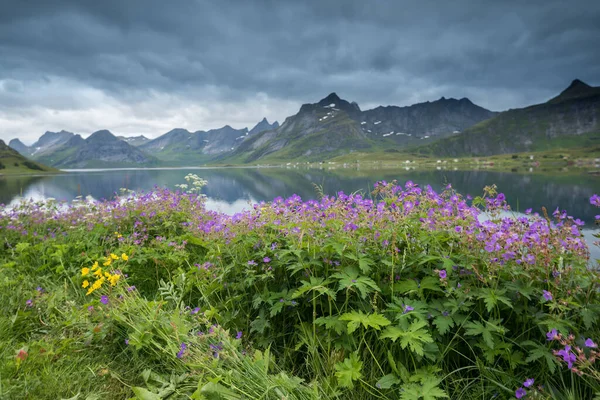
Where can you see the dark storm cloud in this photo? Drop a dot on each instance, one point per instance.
(501, 54)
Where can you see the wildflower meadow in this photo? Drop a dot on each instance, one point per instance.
(402, 293)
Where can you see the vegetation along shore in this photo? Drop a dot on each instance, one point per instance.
(405, 293)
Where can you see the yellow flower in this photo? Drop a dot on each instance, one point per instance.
(85, 271)
(90, 291)
(106, 274)
(98, 272)
(124, 257)
(114, 256)
(85, 284)
(107, 262)
(95, 266)
(114, 279)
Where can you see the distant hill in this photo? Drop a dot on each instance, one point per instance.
(334, 126)
(135, 141)
(263, 126)
(182, 147)
(101, 149)
(571, 119)
(12, 162)
(46, 144)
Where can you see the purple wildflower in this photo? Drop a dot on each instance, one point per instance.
(90, 308)
(547, 295)
(595, 200)
(29, 303)
(266, 260)
(239, 335)
(552, 334)
(251, 262)
(182, 349)
(567, 356)
(458, 229)
(104, 300)
(407, 309)
(520, 393)
(127, 342)
(443, 274)
(131, 288)
(195, 310)
(528, 382)
(590, 343)
(39, 289)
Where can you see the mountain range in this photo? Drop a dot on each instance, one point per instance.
(334, 126)
(571, 119)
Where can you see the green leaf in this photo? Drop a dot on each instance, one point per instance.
(315, 284)
(538, 351)
(589, 315)
(521, 288)
(443, 323)
(349, 279)
(430, 283)
(406, 286)
(276, 308)
(260, 324)
(427, 390)
(21, 247)
(349, 371)
(387, 381)
(491, 297)
(355, 319)
(332, 322)
(475, 328)
(144, 394)
(219, 391)
(414, 337)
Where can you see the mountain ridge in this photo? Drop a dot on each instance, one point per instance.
(334, 126)
(567, 120)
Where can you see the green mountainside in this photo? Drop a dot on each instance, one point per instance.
(569, 120)
(12, 162)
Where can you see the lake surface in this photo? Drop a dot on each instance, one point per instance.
(232, 189)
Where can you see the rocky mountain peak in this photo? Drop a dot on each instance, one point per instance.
(263, 125)
(19, 146)
(576, 89)
(102, 136)
(332, 98)
(16, 142)
(334, 101)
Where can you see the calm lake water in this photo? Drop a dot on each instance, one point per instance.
(232, 189)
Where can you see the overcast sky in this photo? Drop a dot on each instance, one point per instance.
(147, 66)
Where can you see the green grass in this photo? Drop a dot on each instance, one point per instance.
(18, 165)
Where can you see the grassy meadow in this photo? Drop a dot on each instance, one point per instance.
(403, 293)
